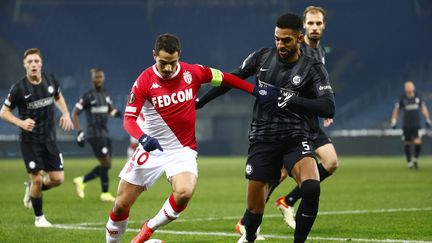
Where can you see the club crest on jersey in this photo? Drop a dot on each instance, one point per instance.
(50, 89)
(131, 98)
(187, 77)
(296, 79)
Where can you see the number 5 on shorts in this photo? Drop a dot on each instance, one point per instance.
(306, 147)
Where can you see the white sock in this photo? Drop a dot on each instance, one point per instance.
(115, 229)
(167, 214)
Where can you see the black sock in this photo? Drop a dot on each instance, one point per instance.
(251, 222)
(45, 187)
(104, 178)
(92, 174)
(293, 196)
(417, 149)
(323, 172)
(308, 209)
(37, 205)
(407, 149)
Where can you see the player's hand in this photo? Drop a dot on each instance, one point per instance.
(393, 123)
(285, 99)
(149, 143)
(117, 114)
(265, 94)
(28, 124)
(66, 122)
(80, 138)
(428, 123)
(198, 104)
(327, 122)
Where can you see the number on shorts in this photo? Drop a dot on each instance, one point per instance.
(142, 156)
(306, 146)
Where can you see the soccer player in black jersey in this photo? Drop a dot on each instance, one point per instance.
(281, 134)
(412, 105)
(97, 106)
(35, 96)
(314, 25)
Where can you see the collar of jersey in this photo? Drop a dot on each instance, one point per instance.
(160, 76)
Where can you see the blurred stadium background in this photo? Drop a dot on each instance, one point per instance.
(372, 48)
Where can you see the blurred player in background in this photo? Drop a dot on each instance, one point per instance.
(35, 96)
(314, 25)
(281, 135)
(97, 106)
(165, 94)
(412, 105)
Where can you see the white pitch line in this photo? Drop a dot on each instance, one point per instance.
(200, 233)
(383, 210)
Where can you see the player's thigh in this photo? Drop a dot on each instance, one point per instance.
(327, 154)
(296, 150)
(53, 159)
(264, 161)
(127, 193)
(56, 176)
(32, 156)
(305, 169)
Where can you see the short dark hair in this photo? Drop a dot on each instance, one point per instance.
(31, 51)
(289, 21)
(96, 69)
(167, 42)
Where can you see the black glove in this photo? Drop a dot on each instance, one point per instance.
(265, 93)
(198, 104)
(149, 143)
(118, 114)
(285, 99)
(80, 138)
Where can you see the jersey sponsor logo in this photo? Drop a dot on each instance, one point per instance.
(40, 103)
(99, 109)
(296, 80)
(131, 98)
(324, 87)
(174, 98)
(411, 107)
(27, 96)
(50, 89)
(187, 77)
(155, 86)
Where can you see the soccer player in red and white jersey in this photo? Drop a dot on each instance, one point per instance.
(165, 94)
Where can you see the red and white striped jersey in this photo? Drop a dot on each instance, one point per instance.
(168, 105)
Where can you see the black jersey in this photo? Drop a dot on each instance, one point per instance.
(317, 53)
(36, 101)
(411, 107)
(306, 78)
(96, 105)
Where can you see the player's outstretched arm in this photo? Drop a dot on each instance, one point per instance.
(426, 116)
(323, 106)
(394, 116)
(211, 95)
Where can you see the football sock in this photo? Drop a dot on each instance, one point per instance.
(37, 205)
(323, 172)
(45, 187)
(308, 209)
(293, 196)
(170, 211)
(92, 174)
(251, 222)
(115, 227)
(407, 149)
(104, 178)
(417, 149)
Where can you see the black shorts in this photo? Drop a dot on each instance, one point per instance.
(41, 156)
(321, 140)
(101, 146)
(265, 159)
(410, 133)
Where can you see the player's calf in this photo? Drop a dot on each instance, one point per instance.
(115, 227)
(308, 209)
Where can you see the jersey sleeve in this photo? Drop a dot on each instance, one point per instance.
(110, 104)
(136, 98)
(83, 102)
(321, 82)
(57, 89)
(249, 66)
(13, 97)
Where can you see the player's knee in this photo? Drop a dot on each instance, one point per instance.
(56, 181)
(183, 195)
(331, 165)
(37, 181)
(121, 206)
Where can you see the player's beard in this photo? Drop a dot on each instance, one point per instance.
(287, 54)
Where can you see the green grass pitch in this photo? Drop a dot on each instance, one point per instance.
(369, 199)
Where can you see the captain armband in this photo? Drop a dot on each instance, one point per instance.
(217, 77)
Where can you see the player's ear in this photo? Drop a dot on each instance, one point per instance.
(154, 55)
(300, 38)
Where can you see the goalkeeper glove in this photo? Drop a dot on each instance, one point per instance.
(80, 138)
(149, 143)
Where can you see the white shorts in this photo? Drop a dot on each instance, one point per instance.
(144, 168)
